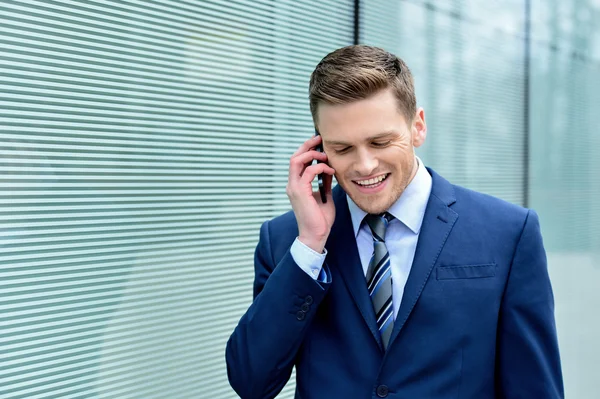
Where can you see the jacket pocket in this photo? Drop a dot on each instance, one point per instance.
(466, 271)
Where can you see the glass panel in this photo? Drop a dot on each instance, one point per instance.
(565, 175)
(467, 58)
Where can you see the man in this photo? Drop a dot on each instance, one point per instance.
(401, 285)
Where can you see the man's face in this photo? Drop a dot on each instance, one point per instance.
(371, 147)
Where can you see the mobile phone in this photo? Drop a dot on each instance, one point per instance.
(320, 176)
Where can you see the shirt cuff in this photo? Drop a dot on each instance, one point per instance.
(308, 260)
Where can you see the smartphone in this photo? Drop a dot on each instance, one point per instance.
(320, 176)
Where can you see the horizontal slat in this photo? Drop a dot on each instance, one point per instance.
(51, 323)
(60, 332)
(175, 22)
(170, 383)
(139, 251)
(59, 77)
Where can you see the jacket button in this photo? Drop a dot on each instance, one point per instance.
(308, 300)
(382, 391)
(305, 307)
(300, 315)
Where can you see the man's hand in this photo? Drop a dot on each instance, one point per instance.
(314, 218)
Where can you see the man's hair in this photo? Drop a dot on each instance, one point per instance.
(357, 72)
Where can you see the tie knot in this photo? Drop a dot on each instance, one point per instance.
(378, 225)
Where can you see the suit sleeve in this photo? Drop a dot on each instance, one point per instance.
(260, 353)
(528, 357)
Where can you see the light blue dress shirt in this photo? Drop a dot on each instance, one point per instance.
(401, 236)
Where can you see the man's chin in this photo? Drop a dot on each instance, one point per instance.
(370, 203)
(374, 204)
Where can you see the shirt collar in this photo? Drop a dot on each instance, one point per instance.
(409, 208)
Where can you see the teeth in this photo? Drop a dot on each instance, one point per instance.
(371, 181)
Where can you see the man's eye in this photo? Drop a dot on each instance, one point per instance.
(342, 150)
(381, 143)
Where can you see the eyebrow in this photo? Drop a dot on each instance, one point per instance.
(370, 138)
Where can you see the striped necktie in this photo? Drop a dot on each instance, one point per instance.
(379, 276)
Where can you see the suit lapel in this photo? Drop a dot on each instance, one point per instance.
(437, 224)
(343, 255)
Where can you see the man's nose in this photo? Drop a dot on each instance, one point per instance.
(366, 163)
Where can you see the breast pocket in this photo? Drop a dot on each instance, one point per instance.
(466, 271)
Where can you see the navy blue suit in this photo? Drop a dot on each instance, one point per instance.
(476, 319)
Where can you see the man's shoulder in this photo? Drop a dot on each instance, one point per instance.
(469, 201)
(488, 208)
(284, 221)
(486, 200)
(282, 229)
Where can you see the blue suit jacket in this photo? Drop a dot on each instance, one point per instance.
(476, 319)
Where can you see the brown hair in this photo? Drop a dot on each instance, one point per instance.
(357, 72)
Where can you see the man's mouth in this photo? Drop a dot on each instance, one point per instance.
(373, 182)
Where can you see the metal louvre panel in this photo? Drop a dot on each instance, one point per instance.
(143, 144)
(468, 60)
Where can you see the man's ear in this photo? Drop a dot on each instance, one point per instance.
(419, 128)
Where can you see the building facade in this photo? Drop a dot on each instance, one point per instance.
(143, 142)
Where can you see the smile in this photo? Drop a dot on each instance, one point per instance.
(373, 182)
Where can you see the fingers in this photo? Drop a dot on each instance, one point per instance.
(302, 172)
(307, 145)
(312, 171)
(299, 162)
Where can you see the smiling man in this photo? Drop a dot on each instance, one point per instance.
(401, 284)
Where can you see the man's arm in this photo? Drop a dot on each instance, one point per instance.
(261, 351)
(528, 361)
